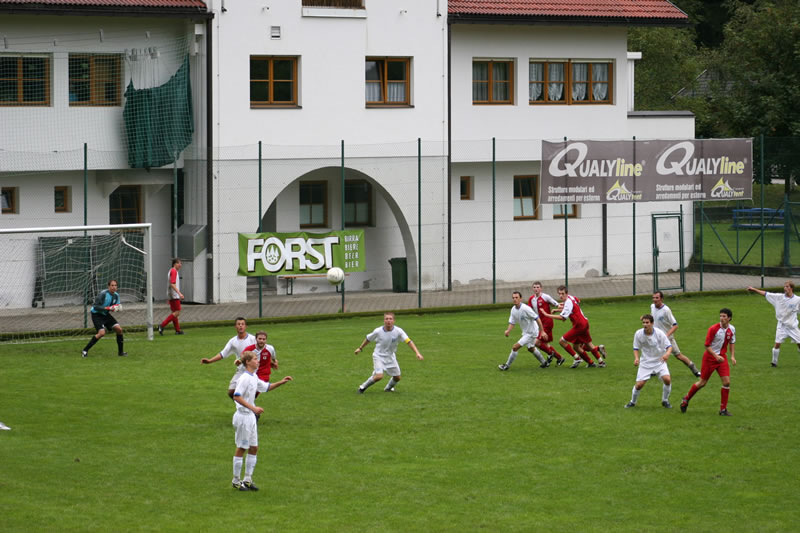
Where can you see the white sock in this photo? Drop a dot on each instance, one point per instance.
(635, 394)
(368, 383)
(775, 353)
(392, 383)
(511, 357)
(539, 355)
(665, 392)
(249, 466)
(237, 468)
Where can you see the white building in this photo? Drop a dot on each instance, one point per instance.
(302, 77)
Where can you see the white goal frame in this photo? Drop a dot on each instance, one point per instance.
(148, 255)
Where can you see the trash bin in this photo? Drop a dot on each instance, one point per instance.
(399, 274)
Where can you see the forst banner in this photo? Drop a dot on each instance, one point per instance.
(270, 254)
(585, 172)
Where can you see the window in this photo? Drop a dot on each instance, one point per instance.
(8, 200)
(569, 82)
(62, 199)
(273, 81)
(349, 4)
(526, 201)
(95, 80)
(357, 203)
(466, 187)
(124, 205)
(313, 204)
(492, 82)
(24, 80)
(387, 81)
(572, 210)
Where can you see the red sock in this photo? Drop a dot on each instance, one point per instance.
(570, 351)
(585, 357)
(175, 321)
(596, 353)
(724, 397)
(692, 391)
(552, 351)
(167, 321)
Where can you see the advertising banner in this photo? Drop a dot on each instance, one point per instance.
(606, 172)
(269, 254)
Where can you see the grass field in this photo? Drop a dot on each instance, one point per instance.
(144, 443)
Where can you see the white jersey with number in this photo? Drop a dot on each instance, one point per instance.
(786, 309)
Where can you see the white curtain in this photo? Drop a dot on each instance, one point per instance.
(145, 68)
(374, 92)
(536, 85)
(396, 92)
(500, 86)
(600, 74)
(480, 74)
(555, 91)
(580, 79)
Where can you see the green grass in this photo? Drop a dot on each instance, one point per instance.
(145, 443)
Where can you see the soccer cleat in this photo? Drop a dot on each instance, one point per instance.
(684, 405)
(773, 365)
(576, 364)
(238, 485)
(561, 361)
(601, 364)
(591, 365)
(84, 353)
(123, 354)
(545, 364)
(724, 412)
(361, 390)
(549, 359)
(250, 485)
(629, 405)
(602, 349)
(180, 332)
(697, 374)
(388, 389)
(503, 366)
(160, 329)
(666, 404)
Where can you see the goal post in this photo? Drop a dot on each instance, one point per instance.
(49, 277)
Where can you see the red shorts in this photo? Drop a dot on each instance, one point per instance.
(548, 331)
(710, 364)
(174, 305)
(578, 335)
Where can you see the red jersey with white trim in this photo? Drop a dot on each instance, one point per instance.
(718, 338)
(265, 358)
(175, 279)
(572, 310)
(542, 305)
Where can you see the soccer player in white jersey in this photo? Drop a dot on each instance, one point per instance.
(530, 324)
(786, 307)
(235, 346)
(384, 357)
(666, 322)
(244, 420)
(651, 349)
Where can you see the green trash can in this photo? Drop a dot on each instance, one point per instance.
(399, 274)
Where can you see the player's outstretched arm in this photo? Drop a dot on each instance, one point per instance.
(364, 343)
(214, 359)
(416, 351)
(279, 383)
(759, 291)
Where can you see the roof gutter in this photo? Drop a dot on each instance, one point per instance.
(104, 11)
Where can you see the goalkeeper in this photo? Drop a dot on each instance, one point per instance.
(106, 301)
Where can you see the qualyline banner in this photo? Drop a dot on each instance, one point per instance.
(586, 172)
(269, 254)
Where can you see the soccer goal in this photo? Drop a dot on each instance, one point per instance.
(50, 276)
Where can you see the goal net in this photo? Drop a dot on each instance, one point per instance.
(49, 278)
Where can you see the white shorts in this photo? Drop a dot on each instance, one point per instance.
(782, 333)
(645, 372)
(528, 339)
(235, 378)
(381, 366)
(246, 429)
(674, 343)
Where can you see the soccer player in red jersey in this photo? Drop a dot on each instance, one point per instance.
(578, 335)
(720, 337)
(541, 302)
(266, 357)
(175, 296)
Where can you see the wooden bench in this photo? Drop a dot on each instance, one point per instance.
(750, 218)
(289, 278)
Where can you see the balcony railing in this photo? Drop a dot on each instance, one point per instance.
(348, 4)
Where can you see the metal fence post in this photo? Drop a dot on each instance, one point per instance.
(419, 222)
(494, 228)
(260, 229)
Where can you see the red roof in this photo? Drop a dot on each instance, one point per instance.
(618, 9)
(185, 4)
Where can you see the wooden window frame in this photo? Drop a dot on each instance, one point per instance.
(370, 201)
(535, 189)
(124, 210)
(568, 83)
(324, 223)
(66, 191)
(574, 213)
(384, 81)
(340, 4)
(12, 195)
(490, 82)
(20, 80)
(97, 84)
(270, 81)
(468, 180)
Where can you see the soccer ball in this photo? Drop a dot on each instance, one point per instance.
(335, 276)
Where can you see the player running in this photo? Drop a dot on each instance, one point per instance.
(541, 302)
(530, 324)
(578, 335)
